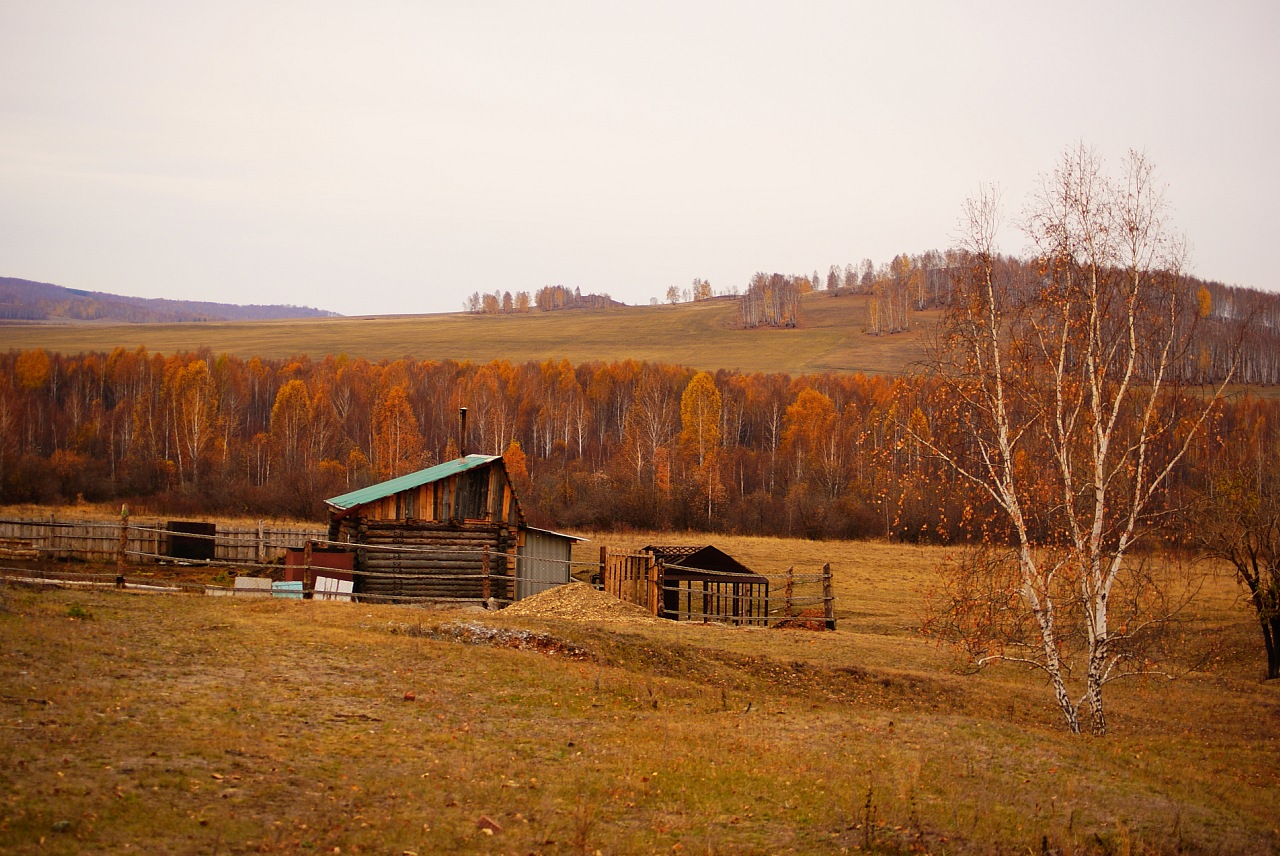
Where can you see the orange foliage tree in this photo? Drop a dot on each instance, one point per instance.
(397, 444)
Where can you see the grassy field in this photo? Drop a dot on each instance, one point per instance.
(702, 335)
(184, 724)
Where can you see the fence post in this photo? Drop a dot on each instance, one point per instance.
(124, 540)
(308, 579)
(603, 555)
(485, 582)
(262, 549)
(789, 591)
(123, 546)
(829, 602)
(53, 551)
(655, 584)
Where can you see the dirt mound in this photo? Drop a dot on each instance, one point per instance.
(472, 633)
(578, 601)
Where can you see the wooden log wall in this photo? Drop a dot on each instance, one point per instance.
(451, 564)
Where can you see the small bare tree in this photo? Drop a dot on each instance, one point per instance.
(1066, 388)
(1239, 519)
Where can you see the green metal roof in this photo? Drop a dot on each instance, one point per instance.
(421, 477)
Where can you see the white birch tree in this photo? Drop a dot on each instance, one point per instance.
(1071, 417)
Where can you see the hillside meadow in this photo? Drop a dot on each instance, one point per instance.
(186, 724)
(703, 335)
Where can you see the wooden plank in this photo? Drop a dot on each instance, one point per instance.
(123, 544)
(829, 602)
(789, 592)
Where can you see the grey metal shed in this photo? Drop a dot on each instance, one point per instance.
(543, 561)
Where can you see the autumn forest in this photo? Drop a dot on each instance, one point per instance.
(604, 444)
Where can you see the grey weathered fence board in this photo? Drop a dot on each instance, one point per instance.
(99, 540)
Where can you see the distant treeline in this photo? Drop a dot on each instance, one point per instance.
(545, 299)
(592, 445)
(915, 283)
(22, 299)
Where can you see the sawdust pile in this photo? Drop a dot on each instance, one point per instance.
(581, 602)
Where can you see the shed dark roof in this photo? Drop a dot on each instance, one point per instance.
(704, 563)
(388, 488)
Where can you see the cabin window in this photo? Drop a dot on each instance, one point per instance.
(409, 505)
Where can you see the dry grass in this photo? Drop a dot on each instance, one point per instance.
(701, 335)
(203, 725)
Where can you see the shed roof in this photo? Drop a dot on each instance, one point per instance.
(373, 492)
(556, 534)
(709, 563)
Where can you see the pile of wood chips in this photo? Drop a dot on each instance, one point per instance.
(579, 601)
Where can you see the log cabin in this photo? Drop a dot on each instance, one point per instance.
(454, 531)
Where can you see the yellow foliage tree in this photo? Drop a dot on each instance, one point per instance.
(290, 420)
(700, 410)
(1204, 302)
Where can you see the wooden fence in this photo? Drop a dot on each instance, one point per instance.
(146, 539)
(387, 572)
(633, 577)
(637, 578)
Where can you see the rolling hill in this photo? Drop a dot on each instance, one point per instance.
(26, 300)
(703, 335)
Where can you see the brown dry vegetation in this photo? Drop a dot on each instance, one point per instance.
(703, 335)
(185, 724)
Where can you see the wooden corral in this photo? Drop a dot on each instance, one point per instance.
(688, 584)
(450, 532)
(702, 583)
(706, 584)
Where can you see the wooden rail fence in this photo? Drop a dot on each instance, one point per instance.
(633, 577)
(146, 539)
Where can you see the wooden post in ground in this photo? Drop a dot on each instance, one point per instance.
(604, 552)
(789, 591)
(828, 602)
(123, 545)
(655, 585)
(262, 558)
(485, 582)
(53, 552)
(308, 579)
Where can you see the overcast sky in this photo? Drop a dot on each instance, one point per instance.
(396, 156)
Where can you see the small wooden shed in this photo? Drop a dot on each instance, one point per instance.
(700, 583)
(454, 531)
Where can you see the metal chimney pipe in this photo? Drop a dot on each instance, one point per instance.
(462, 436)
